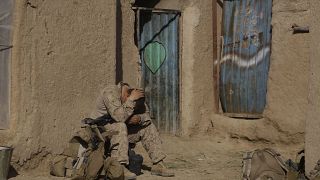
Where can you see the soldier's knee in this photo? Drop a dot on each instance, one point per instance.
(121, 127)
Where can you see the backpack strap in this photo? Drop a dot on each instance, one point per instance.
(247, 157)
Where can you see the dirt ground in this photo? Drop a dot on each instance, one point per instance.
(200, 158)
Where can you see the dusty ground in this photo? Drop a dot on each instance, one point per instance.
(201, 158)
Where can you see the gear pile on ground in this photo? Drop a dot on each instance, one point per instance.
(88, 156)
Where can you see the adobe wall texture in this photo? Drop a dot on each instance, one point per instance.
(63, 55)
(313, 119)
(130, 54)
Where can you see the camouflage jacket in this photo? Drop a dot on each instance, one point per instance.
(109, 103)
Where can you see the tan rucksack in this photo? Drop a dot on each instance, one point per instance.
(92, 164)
(315, 173)
(265, 164)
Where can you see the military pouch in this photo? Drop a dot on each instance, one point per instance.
(90, 164)
(83, 137)
(95, 162)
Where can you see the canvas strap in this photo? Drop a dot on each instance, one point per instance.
(247, 157)
(277, 155)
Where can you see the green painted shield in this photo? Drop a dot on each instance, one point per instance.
(154, 56)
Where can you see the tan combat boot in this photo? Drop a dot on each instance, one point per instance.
(127, 174)
(160, 169)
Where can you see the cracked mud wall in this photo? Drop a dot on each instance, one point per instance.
(63, 55)
(289, 67)
(197, 67)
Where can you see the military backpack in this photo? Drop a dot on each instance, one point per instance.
(265, 164)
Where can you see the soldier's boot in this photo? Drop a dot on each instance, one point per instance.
(160, 169)
(128, 175)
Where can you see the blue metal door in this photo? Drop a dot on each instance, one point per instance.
(244, 64)
(159, 52)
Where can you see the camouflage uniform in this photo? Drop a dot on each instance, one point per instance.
(109, 102)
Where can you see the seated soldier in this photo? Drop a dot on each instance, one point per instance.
(132, 120)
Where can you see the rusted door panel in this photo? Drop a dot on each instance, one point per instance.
(244, 65)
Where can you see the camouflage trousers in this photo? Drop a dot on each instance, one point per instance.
(148, 135)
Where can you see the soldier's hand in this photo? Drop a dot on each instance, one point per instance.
(136, 94)
(135, 119)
